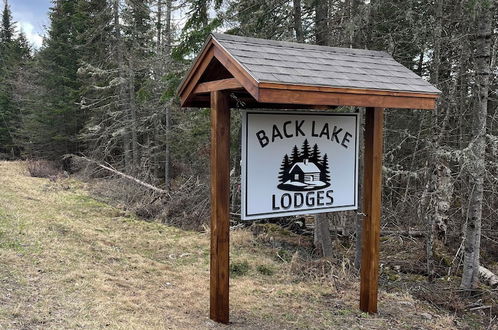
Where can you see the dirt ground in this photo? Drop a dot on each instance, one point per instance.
(70, 261)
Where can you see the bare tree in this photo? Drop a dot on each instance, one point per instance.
(476, 157)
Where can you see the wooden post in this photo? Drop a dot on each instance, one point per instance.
(372, 199)
(220, 195)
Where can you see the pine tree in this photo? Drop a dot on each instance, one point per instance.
(295, 157)
(283, 175)
(315, 155)
(305, 150)
(57, 123)
(9, 60)
(103, 83)
(7, 30)
(196, 29)
(263, 19)
(325, 172)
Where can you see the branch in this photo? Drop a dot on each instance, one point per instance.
(126, 176)
(490, 278)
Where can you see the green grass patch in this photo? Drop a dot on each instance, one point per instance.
(265, 270)
(239, 268)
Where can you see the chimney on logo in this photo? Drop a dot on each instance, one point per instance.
(305, 161)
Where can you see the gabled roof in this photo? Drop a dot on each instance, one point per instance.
(294, 63)
(267, 73)
(308, 167)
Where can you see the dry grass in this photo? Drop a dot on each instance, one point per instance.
(42, 168)
(69, 261)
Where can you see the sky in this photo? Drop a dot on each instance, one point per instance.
(32, 17)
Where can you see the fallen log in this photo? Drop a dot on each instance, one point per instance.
(121, 174)
(488, 276)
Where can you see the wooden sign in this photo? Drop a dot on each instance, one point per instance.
(297, 76)
(298, 163)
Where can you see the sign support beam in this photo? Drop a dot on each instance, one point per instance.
(220, 196)
(372, 204)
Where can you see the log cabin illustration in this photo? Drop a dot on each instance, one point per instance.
(305, 169)
(305, 172)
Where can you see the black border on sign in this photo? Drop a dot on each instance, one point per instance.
(247, 113)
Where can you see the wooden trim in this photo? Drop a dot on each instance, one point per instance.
(193, 68)
(372, 204)
(236, 69)
(220, 195)
(270, 95)
(199, 68)
(217, 85)
(344, 90)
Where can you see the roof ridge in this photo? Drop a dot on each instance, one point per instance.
(289, 44)
(282, 62)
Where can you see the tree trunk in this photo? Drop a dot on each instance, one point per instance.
(436, 59)
(122, 88)
(322, 22)
(476, 167)
(133, 117)
(167, 109)
(359, 215)
(159, 25)
(322, 240)
(298, 23)
(428, 209)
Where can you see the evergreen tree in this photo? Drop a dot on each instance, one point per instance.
(102, 81)
(315, 155)
(325, 172)
(283, 175)
(305, 150)
(8, 64)
(295, 157)
(262, 19)
(58, 121)
(7, 30)
(197, 27)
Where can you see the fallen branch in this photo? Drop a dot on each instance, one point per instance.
(490, 278)
(126, 176)
(480, 307)
(409, 233)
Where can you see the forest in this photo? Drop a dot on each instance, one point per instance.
(99, 98)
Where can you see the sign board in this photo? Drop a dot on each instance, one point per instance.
(298, 163)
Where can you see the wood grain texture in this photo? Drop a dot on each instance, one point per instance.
(284, 96)
(344, 90)
(195, 74)
(220, 195)
(194, 68)
(217, 85)
(372, 203)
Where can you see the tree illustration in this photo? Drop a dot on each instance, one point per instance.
(283, 175)
(295, 157)
(315, 155)
(305, 150)
(325, 173)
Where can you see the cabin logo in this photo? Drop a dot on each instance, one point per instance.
(304, 170)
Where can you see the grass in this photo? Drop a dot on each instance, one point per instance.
(70, 261)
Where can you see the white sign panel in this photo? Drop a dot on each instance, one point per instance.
(298, 163)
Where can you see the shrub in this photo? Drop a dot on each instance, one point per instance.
(239, 268)
(42, 168)
(265, 270)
